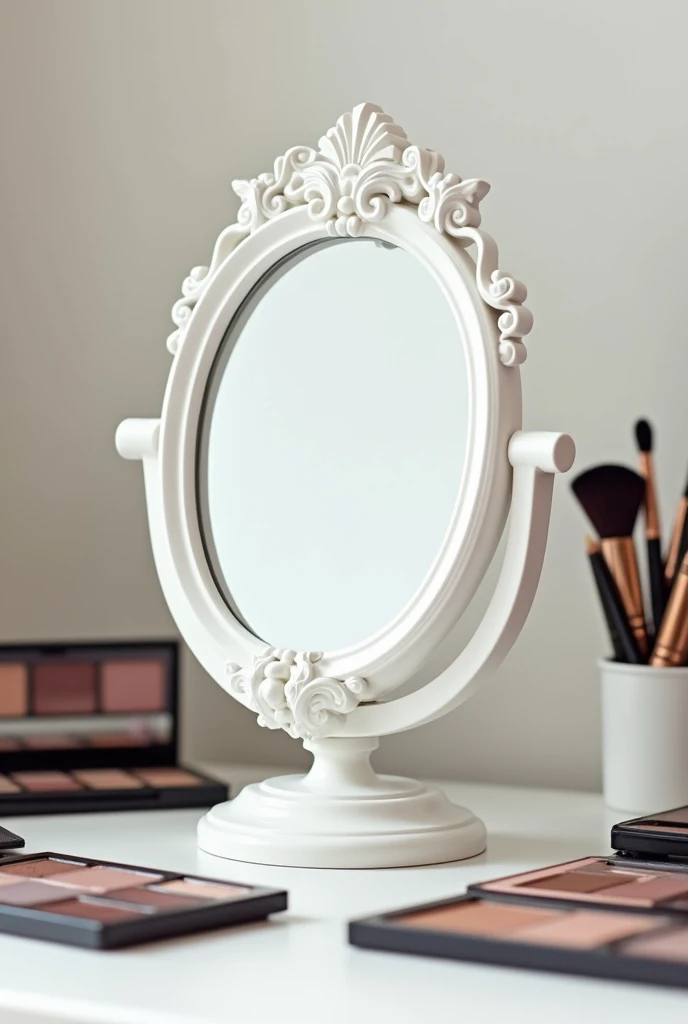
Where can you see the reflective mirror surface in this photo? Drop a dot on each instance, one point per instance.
(332, 444)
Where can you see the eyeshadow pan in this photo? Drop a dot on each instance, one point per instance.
(574, 882)
(32, 893)
(46, 742)
(13, 690)
(201, 889)
(94, 911)
(102, 878)
(44, 782)
(648, 893)
(168, 778)
(477, 918)
(154, 898)
(587, 929)
(7, 785)
(133, 685)
(108, 778)
(64, 688)
(9, 743)
(41, 868)
(670, 945)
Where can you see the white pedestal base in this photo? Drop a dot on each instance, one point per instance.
(341, 815)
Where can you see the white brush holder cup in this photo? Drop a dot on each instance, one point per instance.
(644, 737)
(337, 454)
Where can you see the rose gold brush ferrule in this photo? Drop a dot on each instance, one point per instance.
(652, 531)
(675, 544)
(619, 554)
(671, 649)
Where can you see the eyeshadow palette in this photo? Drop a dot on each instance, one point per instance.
(93, 727)
(629, 946)
(661, 835)
(596, 881)
(105, 905)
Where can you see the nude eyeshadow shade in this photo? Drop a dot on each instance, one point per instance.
(133, 686)
(13, 690)
(104, 905)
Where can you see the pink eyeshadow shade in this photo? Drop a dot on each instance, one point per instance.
(32, 893)
(9, 743)
(649, 893)
(102, 878)
(202, 890)
(128, 686)
(13, 690)
(45, 782)
(61, 688)
(587, 929)
(44, 742)
(671, 945)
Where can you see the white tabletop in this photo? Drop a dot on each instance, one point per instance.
(298, 967)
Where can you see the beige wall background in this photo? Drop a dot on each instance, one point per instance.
(122, 125)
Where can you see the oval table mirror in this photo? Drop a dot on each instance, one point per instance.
(338, 451)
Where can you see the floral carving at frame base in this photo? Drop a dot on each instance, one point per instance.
(361, 166)
(284, 688)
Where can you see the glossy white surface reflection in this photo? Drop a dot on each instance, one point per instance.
(335, 442)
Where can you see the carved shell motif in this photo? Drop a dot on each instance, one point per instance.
(361, 166)
(284, 688)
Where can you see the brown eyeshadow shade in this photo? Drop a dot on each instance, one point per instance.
(13, 690)
(43, 868)
(202, 890)
(154, 898)
(9, 743)
(102, 878)
(46, 782)
(168, 778)
(587, 929)
(476, 918)
(108, 778)
(93, 911)
(662, 828)
(574, 882)
(133, 686)
(33, 893)
(64, 688)
(7, 785)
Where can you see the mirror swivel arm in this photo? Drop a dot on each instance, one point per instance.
(536, 457)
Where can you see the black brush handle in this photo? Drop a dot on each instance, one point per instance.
(658, 594)
(624, 642)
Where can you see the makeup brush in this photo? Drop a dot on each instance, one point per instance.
(671, 649)
(643, 434)
(679, 528)
(624, 643)
(611, 496)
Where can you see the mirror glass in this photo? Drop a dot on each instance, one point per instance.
(332, 444)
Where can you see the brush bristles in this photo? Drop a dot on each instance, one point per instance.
(611, 496)
(643, 435)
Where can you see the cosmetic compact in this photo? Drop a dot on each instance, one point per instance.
(654, 836)
(104, 905)
(93, 727)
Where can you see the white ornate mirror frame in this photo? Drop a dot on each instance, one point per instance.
(365, 179)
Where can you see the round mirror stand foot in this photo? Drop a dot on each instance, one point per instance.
(341, 815)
